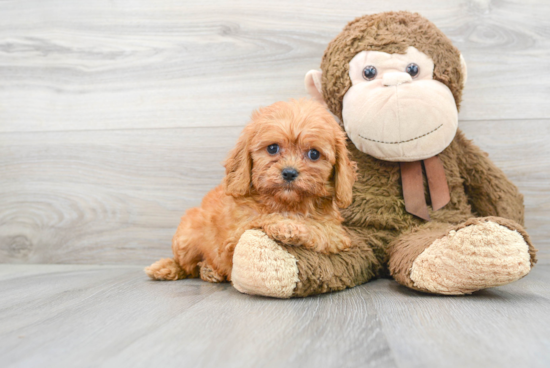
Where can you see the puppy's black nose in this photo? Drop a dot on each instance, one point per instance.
(289, 174)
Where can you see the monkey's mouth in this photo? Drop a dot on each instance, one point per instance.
(405, 141)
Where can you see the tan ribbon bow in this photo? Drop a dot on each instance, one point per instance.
(413, 186)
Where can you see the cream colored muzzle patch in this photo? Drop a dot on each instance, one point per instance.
(394, 116)
(403, 122)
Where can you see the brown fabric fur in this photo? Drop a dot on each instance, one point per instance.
(377, 218)
(320, 273)
(379, 225)
(391, 32)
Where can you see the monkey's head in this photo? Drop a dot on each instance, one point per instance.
(395, 81)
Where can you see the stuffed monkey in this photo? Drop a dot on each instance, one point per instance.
(429, 207)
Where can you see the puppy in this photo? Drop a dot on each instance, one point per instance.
(287, 176)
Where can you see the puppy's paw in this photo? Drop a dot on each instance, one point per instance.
(209, 274)
(165, 269)
(291, 233)
(331, 245)
(343, 243)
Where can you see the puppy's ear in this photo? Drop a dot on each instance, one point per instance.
(344, 173)
(238, 166)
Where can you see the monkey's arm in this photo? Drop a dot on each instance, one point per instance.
(261, 266)
(489, 191)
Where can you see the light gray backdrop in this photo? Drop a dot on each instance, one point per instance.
(115, 115)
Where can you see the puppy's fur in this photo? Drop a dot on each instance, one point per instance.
(254, 193)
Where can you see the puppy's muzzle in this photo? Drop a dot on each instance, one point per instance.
(289, 174)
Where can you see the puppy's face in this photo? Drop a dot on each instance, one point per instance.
(296, 150)
(292, 158)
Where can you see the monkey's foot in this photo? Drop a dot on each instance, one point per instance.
(474, 257)
(262, 267)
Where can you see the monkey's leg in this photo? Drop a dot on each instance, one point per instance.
(262, 266)
(460, 259)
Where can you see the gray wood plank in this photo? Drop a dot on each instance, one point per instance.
(103, 196)
(117, 196)
(84, 65)
(501, 327)
(113, 316)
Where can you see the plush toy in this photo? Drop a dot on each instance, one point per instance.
(429, 207)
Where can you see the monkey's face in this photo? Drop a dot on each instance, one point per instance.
(395, 110)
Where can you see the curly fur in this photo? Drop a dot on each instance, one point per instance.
(254, 195)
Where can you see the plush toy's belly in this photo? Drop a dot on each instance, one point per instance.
(378, 205)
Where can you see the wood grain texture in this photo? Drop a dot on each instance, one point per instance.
(84, 65)
(103, 196)
(113, 316)
(67, 316)
(115, 115)
(500, 327)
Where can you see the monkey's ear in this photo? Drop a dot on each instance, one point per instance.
(313, 85)
(463, 68)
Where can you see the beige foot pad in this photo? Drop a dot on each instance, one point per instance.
(262, 267)
(473, 258)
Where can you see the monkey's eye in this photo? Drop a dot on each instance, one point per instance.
(412, 69)
(273, 149)
(369, 72)
(313, 154)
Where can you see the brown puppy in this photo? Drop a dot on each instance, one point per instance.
(287, 175)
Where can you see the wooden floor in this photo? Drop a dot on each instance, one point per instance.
(113, 316)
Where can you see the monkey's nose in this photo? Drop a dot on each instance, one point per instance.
(396, 78)
(289, 174)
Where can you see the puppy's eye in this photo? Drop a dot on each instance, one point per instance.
(273, 149)
(313, 154)
(369, 72)
(412, 69)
